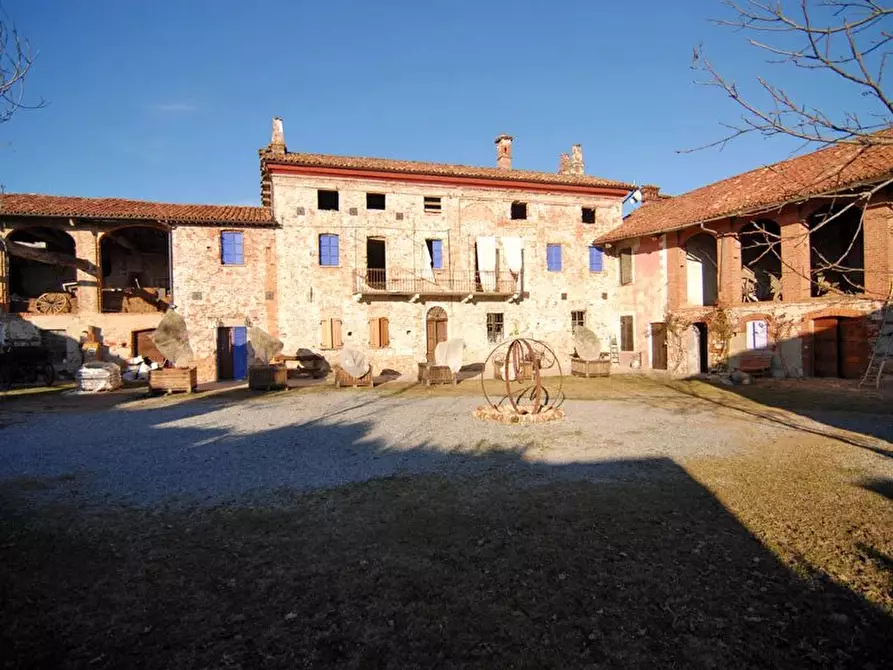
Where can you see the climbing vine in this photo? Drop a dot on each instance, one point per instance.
(720, 329)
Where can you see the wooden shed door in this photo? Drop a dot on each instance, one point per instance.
(825, 347)
(853, 348)
(225, 353)
(144, 345)
(435, 330)
(659, 346)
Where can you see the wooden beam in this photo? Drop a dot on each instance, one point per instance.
(50, 257)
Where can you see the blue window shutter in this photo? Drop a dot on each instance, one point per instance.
(437, 254)
(595, 259)
(553, 257)
(231, 248)
(328, 250)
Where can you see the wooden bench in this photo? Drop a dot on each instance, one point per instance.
(755, 362)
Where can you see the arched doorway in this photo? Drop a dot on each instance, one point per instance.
(44, 265)
(435, 330)
(760, 261)
(701, 270)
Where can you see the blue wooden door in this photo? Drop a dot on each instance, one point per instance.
(240, 352)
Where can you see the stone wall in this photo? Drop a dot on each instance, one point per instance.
(310, 293)
(209, 294)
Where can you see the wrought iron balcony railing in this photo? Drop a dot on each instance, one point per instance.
(374, 281)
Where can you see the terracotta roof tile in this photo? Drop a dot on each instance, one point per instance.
(825, 171)
(34, 204)
(438, 169)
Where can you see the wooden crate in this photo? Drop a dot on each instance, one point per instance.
(599, 368)
(436, 374)
(342, 378)
(171, 380)
(267, 377)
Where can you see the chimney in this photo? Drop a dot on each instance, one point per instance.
(277, 141)
(650, 193)
(504, 151)
(572, 163)
(564, 163)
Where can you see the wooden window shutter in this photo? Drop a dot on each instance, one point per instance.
(626, 266)
(336, 334)
(326, 329)
(385, 336)
(374, 334)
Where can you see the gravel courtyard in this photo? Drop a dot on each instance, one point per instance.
(213, 452)
(662, 525)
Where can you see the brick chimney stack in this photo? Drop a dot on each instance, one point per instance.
(277, 141)
(504, 151)
(650, 193)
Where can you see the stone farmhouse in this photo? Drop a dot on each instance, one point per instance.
(391, 257)
(799, 254)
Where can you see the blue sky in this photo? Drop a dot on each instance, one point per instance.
(170, 99)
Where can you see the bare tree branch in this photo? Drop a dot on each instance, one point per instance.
(16, 59)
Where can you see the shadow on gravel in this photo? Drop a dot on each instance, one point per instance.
(520, 565)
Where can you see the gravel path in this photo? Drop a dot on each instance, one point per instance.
(211, 452)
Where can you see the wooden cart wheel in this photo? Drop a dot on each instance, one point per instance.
(53, 303)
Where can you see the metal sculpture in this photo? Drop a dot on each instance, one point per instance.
(518, 361)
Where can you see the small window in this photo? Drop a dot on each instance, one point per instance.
(379, 337)
(231, 248)
(626, 267)
(578, 319)
(330, 336)
(587, 214)
(595, 259)
(327, 200)
(553, 257)
(328, 251)
(627, 341)
(432, 204)
(435, 252)
(519, 210)
(375, 201)
(757, 335)
(495, 327)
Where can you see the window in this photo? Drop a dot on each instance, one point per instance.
(328, 251)
(757, 335)
(578, 319)
(587, 214)
(231, 248)
(330, 334)
(327, 200)
(495, 327)
(432, 204)
(627, 341)
(595, 259)
(553, 257)
(375, 201)
(435, 251)
(626, 267)
(379, 337)
(519, 210)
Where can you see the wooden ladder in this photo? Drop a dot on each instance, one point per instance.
(883, 346)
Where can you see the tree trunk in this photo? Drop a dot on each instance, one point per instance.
(50, 257)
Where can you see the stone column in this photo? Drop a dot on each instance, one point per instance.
(795, 282)
(86, 247)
